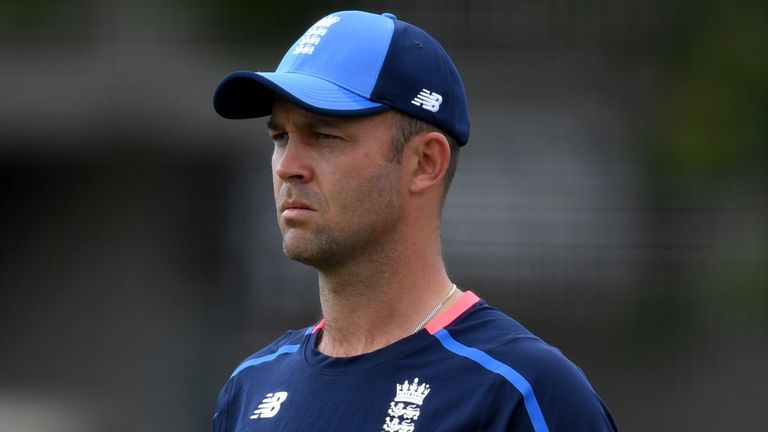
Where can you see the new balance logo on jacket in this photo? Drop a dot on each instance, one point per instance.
(270, 405)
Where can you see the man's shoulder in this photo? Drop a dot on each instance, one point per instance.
(522, 362)
(487, 328)
(289, 338)
(504, 339)
(287, 343)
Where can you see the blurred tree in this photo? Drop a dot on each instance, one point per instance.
(714, 121)
(713, 148)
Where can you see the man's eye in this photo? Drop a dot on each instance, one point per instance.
(325, 137)
(279, 137)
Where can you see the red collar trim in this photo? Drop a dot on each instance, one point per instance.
(449, 315)
(318, 326)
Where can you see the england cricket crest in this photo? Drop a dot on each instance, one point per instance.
(405, 409)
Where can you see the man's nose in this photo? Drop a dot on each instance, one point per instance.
(291, 162)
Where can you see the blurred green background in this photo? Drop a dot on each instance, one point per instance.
(612, 198)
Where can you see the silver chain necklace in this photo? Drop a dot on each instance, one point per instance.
(434, 311)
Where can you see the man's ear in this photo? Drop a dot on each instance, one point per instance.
(430, 154)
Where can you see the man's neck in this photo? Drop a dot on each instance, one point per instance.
(369, 305)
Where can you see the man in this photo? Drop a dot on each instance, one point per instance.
(367, 114)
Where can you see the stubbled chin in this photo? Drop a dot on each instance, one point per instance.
(296, 244)
(300, 254)
(310, 248)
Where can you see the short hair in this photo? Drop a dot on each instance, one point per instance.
(407, 127)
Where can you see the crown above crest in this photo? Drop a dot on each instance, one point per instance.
(412, 393)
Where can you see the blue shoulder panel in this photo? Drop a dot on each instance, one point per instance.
(285, 349)
(493, 365)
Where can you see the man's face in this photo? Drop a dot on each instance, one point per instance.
(337, 191)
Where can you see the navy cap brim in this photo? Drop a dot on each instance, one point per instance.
(247, 94)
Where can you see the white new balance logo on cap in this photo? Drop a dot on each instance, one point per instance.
(428, 100)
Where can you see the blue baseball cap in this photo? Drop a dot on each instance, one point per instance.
(354, 63)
